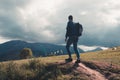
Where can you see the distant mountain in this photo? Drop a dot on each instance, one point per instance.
(11, 49)
(97, 49)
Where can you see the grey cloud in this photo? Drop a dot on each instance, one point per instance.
(48, 26)
(10, 20)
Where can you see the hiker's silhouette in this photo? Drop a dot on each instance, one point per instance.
(73, 31)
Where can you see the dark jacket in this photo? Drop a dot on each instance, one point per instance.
(72, 29)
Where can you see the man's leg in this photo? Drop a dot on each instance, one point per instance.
(69, 42)
(76, 50)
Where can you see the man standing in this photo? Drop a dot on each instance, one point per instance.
(71, 37)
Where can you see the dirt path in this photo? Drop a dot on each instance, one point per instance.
(93, 74)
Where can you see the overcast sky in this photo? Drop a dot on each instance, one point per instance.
(45, 20)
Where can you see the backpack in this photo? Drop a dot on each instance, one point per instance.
(79, 29)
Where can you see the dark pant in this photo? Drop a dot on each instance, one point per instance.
(72, 40)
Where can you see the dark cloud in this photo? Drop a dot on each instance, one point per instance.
(44, 21)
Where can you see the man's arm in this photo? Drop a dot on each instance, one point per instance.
(66, 35)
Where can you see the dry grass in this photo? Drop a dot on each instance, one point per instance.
(35, 68)
(107, 56)
(31, 70)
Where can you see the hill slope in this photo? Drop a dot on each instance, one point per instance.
(11, 49)
(94, 65)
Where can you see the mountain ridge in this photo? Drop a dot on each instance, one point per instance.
(11, 49)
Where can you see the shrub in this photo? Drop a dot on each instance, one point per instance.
(36, 65)
(52, 72)
(34, 69)
(3, 72)
(15, 72)
(26, 53)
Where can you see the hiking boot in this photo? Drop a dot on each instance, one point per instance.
(77, 61)
(68, 60)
